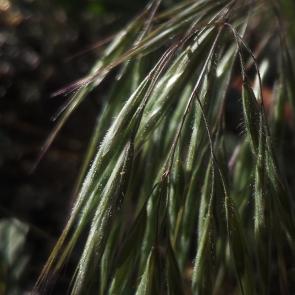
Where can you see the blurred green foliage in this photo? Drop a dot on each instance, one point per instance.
(13, 258)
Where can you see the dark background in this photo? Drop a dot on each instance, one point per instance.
(38, 39)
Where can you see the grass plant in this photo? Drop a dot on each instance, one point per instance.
(168, 200)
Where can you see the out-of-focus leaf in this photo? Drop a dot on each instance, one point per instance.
(13, 259)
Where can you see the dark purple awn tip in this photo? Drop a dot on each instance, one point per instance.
(71, 87)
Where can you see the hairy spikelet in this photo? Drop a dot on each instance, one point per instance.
(169, 200)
